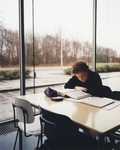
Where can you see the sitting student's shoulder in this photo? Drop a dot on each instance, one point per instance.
(92, 73)
(74, 77)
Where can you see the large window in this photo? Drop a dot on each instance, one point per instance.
(9, 43)
(108, 47)
(63, 32)
(60, 33)
(57, 33)
(9, 56)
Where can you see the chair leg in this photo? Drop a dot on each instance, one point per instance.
(16, 139)
(41, 139)
(38, 142)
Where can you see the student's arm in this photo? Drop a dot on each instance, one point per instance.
(75, 83)
(72, 82)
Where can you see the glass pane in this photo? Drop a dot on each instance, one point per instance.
(9, 57)
(29, 52)
(108, 47)
(63, 34)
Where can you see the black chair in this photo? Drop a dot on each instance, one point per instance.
(27, 122)
(114, 138)
(63, 134)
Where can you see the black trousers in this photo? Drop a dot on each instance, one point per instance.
(105, 91)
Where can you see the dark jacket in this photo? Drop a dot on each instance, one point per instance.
(93, 84)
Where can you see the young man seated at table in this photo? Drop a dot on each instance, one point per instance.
(88, 81)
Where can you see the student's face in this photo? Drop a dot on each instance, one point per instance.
(82, 76)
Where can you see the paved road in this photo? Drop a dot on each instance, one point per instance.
(44, 76)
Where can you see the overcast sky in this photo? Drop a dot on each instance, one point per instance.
(73, 16)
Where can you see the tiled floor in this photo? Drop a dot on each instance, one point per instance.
(7, 142)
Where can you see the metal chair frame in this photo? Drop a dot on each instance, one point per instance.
(18, 129)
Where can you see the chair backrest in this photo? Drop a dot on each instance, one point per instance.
(56, 125)
(29, 111)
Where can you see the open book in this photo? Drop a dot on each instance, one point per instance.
(97, 101)
(73, 93)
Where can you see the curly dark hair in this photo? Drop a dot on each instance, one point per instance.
(79, 66)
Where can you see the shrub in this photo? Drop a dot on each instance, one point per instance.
(67, 71)
(117, 67)
(27, 73)
(102, 68)
(99, 69)
(14, 74)
(108, 68)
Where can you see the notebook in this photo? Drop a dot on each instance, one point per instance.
(73, 93)
(97, 101)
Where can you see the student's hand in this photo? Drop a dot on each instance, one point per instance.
(79, 88)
